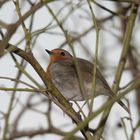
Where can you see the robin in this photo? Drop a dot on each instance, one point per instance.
(62, 72)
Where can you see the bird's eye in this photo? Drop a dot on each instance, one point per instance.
(62, 53)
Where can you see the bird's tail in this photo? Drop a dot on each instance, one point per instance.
(112, 95)
(123, 106)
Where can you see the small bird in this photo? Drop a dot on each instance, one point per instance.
(62, 71)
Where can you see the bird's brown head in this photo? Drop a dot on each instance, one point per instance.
(58, 54)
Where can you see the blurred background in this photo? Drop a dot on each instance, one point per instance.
(28, 115)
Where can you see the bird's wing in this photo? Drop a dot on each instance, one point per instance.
(87, 67)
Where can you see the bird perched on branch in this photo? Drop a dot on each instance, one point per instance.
(63, 73)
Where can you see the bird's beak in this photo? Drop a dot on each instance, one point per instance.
(49, 52)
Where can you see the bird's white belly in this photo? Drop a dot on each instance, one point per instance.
(72, 91)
